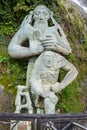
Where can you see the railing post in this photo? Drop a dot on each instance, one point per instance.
(38, 123)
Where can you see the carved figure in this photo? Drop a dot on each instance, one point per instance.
(44, 45)
(38, 34)
(44, 78)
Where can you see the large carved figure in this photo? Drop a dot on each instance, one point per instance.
(46, 44)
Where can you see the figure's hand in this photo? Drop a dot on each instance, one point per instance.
(45, 94)
(36, 47)
(49, 42)
(35, 44)
(56, 87)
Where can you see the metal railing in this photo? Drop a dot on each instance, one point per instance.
(46, 121)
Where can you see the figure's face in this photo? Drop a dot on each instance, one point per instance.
(48, 58)
(41, 14)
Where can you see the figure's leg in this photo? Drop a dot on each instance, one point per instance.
(39, 104)
(49, 103)
(40, 111)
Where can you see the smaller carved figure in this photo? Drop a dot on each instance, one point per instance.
(44, 78)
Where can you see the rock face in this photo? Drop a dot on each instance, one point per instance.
(5, 100)
(4, 105)
(84, 2)
(82, 7)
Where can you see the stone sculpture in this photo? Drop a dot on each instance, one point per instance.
(45, 46)
(44, 78)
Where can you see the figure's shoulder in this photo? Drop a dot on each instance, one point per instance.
(27, 26)
(26, 29)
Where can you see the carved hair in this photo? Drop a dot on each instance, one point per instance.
(29, 18)
(41, 7)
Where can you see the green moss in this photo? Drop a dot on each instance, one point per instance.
(12, 72)
(70, 99)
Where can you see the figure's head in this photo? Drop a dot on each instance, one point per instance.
(41, 14)
(48, 58)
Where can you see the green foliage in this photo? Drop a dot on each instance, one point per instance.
(12, 72)
(83, 40)
(3, 59)
(69, 99)
(6, 29)
(6, 12)
(21, 6)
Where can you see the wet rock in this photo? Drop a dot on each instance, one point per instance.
(5, 100)
(3, 107)
(82, 7)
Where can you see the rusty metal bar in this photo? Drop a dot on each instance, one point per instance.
(67, 126)
(13, 116)
(80, 126)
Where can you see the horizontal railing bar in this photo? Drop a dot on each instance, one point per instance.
(15, 116)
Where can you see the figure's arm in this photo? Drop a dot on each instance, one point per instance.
(15, 48)
(62, 40)
(69, 77)
(62, 43)
(61, 48)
